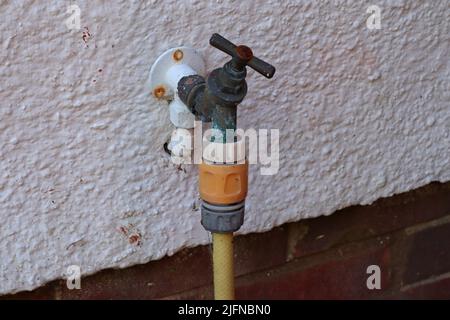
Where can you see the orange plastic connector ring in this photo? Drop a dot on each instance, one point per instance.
(223, 183)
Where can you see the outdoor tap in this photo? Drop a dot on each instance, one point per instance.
(177, 76)
(222, 183)
(215, 99)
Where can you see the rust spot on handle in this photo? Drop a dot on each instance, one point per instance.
(244, 52)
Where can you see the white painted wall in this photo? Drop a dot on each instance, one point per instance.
(362, 115)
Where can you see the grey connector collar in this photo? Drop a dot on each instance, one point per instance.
(222, 218)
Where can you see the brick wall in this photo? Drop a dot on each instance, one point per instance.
(407, 235)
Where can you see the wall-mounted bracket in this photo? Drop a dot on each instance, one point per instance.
(165, 74)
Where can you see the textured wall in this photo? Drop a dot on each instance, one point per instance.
(84, 180)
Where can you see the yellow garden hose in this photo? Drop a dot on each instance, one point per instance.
(223, 266)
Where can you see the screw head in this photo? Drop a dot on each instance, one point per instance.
(159, 92)
(177, 55)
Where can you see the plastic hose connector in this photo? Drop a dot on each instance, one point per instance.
(222, 218)
(223, 184)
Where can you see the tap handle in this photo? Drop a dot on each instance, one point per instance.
(242, 55)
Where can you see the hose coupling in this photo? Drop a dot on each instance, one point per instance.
(223, 189)
(218, 218)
